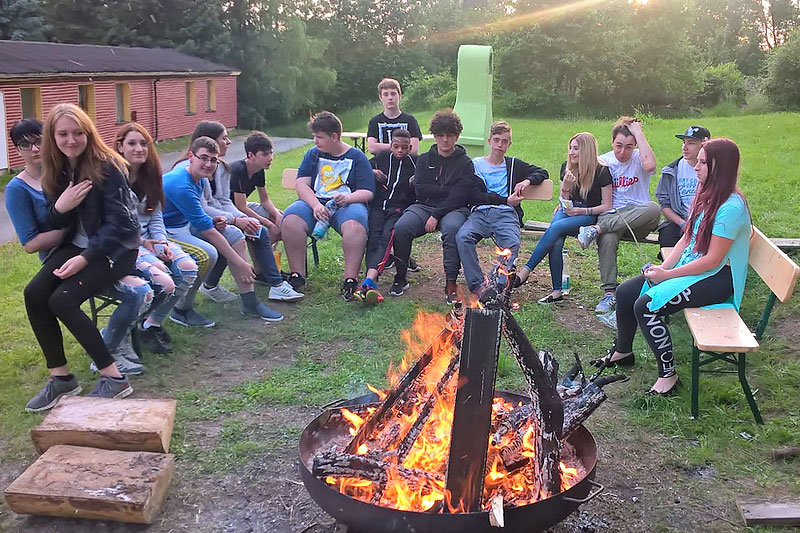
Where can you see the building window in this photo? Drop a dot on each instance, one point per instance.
(211, 95)
(31, 98)
(86, 99)
(191, 101)
(123, 93)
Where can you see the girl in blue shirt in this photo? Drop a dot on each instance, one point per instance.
(707, 267)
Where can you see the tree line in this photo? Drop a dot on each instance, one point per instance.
(550, 57)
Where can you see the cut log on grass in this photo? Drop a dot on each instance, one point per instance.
(132, 425)
(786, 453)
(763, 512)
(78, 482)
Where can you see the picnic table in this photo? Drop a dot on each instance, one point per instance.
(359, 139)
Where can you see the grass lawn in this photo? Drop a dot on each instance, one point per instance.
(245, 390)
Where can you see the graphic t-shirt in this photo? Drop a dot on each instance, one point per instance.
(241, 182)
(630, 182)
(495, 177)
(381, 126)
(687, 183)
(331, 175)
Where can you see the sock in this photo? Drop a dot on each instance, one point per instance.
(369, 283)
(68, 377)
(118, 379)
(249, 300)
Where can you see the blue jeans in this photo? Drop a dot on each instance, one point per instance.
(502, 224)
(261, 250)
(552, 242)
(133, 302)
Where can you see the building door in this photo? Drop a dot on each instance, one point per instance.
(3, 139)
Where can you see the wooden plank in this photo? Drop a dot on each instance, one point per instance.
(77, 482)
(666, 250)
(786, 244)
(288, 178)
(719, 330)
(543, 191)
(472, 412)
(759, 512)
(537, 227)
(777, 270)
(133, 425)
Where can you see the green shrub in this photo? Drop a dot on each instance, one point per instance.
(722, 84)
(782, 87)
(429, 91)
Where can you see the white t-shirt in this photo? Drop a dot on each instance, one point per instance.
(687, 183)
(630, 182)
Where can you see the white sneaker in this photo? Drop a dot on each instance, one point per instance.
(218, 294)
(284, 292)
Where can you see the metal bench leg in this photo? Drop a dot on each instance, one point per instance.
(742, 364)
(93, 309)
(695, 381)
(315, 252)
(136, 341)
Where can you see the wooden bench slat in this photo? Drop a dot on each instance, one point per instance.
(537, 227)
(543, 191)
(777, 270)
(757, 512)
(719, 330)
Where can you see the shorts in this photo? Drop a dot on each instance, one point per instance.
(357, 212)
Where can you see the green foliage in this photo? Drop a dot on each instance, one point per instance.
(722, 83)
(21, 20)
(425, 91)
(784, 70)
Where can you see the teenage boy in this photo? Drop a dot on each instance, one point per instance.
(443, 183)
(393, 193)
(382, 125)
(496, 202)
(247, 176)
(677, 186)
(331, 170)
(191, 227)
(631, 162)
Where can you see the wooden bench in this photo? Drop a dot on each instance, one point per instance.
(723, 335)
(537, 228)
(288, 180)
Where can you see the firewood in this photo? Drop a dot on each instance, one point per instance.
(512, 422)
(786, 452)
(369, 468)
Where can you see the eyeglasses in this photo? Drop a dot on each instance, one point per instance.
(208, 159)
(28, 145)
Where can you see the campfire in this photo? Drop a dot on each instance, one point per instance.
(440, 441)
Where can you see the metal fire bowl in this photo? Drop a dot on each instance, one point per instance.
(364, 517)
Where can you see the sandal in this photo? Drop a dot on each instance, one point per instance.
(549, 299)
(669, 392)
(628, 360)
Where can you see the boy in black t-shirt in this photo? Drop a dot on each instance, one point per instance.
(393, 193)
(381, 126)
(247, 176)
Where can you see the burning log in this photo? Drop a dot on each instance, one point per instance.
(371, 468)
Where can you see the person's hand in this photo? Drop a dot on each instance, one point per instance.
(569, 180)
(250, 226)
(73, 195)
(519, 187)
(150, 245)
(322, 213)
(71, 266)
(243, 272)
(575, 211)
(515, 199)
(656, 274)
(380, 177)
(635, 128)
(220, 222)
(341, 199)
(430, 225)
(167, 254)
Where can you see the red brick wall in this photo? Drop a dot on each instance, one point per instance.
(172, 118)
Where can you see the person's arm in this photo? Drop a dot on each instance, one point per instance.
(242, 270)
(665, 183)
(361, 182)
(672, 259)
(21, 210)
(717, 249)
(240, 201)
(210, 204)
(376, 147)
(645, 151)
(672, 216)
(119, 222)
(605, 195)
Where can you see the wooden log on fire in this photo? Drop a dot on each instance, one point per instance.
(368, 467)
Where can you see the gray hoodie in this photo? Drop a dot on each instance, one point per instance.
(152, 221)
(667, 192)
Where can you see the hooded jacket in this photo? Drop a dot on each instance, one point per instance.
(396, 193)
(667, 192)
(444, 183)
(517, 170)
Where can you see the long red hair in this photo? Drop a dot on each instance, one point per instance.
(148, 181)
(722, 159)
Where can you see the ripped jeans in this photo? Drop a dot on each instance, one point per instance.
(135, 296)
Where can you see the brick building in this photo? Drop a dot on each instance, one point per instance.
(166, 91)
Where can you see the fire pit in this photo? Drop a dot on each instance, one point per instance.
(441, 450)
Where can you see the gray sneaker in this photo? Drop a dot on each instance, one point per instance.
(108, 387)
(190, 318)
(125, 349)
(125, 366)
(587, 235)
(608, 303)
(218, 294)
(53, 390)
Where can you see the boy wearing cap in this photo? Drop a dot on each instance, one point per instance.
(677, 186)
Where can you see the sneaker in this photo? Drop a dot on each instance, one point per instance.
(399, 286)
(349, 288)
(368, 295)
(389, 262)
(297, 281)
(108, 387)
(153, 338)
(587, 235)
(126, 350)
(125, 366)
(218, 294)
(53, 390)
(412, 265)
(608, 303)
(451, 291)
(284, 292)
(190, 318)
(263, 312)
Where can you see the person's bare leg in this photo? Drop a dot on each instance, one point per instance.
(295, 235)
(354, 242)
(241, 250)
(663, 385)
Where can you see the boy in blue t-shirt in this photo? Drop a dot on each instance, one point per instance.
(331, 170)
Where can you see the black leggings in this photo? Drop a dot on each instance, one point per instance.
(49, 299)
(632, 310)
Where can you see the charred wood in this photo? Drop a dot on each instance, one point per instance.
(370, 468)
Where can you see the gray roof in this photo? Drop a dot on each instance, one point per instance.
(36, 59)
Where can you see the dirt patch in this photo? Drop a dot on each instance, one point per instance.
(787, 329)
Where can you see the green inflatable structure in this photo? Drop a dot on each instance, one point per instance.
(474, 97)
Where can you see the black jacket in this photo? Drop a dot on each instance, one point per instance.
(396, 193)
(108, 216)
(444, 183)
(517, 170)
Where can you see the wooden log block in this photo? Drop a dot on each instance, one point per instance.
(760, 512)
(132, 425)
(77, 482)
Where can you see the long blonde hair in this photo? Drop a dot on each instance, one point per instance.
(587, 160)
(90, 162)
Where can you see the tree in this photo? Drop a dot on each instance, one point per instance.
(783, 72)
(20, 20)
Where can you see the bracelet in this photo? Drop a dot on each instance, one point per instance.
(587, 211)
(234, 221)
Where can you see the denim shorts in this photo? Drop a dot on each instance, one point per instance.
(357, 212)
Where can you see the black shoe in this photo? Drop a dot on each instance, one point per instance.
(412, 265)
(152, 339)
(669, 392)
(399, 286)
(549, 299)
(297, 281)
(628, 360)
(389, 262)
(349, 288)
